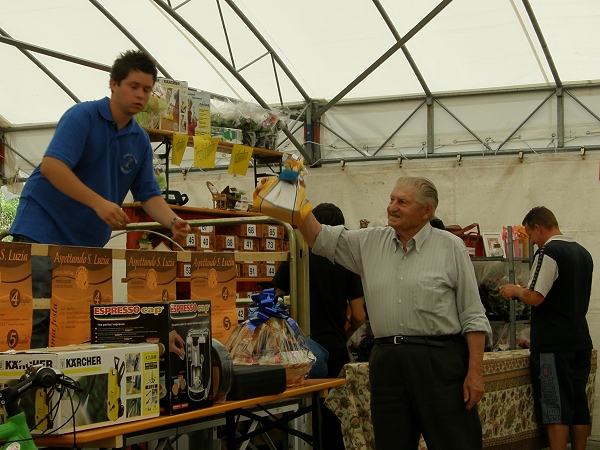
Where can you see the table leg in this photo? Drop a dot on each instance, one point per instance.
(230, 426)
(316, 421)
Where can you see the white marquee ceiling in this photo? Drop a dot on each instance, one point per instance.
(325, 45)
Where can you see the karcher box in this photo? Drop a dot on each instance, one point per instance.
(119, 384)
(182, 331)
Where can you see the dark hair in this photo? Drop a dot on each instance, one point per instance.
(329, 214)
(132, 60)
(540, 215)
(437, 223)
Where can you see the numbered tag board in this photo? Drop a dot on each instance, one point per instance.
(16, 300)
(151, 276)
(81, 276)
(214, 278)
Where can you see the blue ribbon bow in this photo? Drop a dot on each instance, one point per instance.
(268, 305)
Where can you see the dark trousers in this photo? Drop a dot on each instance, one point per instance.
(41, 280)
(330, 423)
(418, 389)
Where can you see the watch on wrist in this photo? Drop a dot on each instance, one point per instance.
(173, 220)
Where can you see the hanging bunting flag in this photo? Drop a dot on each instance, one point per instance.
(179, 144)
(205, 149)
(240, 158)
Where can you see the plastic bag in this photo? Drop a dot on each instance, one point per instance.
(491, 277)
(150, 116)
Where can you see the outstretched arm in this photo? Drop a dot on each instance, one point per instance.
(310, 229)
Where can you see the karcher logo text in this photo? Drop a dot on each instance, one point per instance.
(19, 364)
(83, 362)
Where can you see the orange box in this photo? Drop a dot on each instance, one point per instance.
(271, 268)
(273, 231)
(205, 242)
(270, 245)
(184, 269)
(225, 242)
(248, 244)
(251, 269)
(243, 229)
(206, 229)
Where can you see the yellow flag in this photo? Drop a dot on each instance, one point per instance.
(240, 158)
(179, 144)
(205, 149)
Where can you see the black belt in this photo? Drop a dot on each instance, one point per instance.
(434, 341)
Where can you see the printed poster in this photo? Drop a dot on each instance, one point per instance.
(214, 277)
(151, 276)
(81, 276)
(16, 299)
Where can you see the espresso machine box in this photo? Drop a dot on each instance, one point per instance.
(182, 331)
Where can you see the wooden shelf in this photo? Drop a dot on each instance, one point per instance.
(224, 147)
(239, 279)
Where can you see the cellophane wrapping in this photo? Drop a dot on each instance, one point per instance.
(274, 341)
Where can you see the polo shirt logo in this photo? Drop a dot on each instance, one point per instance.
(129, 160)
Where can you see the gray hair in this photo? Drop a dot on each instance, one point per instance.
(425, 191)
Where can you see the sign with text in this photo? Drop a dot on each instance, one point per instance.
(81, 276)
(214, 277)
(151, 276)
(16, 299)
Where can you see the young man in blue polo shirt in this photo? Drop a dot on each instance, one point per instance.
(97, 155)
(561, 346)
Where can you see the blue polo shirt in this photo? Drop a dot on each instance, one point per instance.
(108, 161)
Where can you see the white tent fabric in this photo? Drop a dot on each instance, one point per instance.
(469, 45)
(495, 86)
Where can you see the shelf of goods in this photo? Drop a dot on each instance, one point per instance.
(261, 157)
(513, 318)
(206, 217)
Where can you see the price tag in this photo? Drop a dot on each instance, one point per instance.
(252, 270)
(190, 240)
(272, 232)
(230, 242)
(241, 314)
(248, 244)
(204, 241)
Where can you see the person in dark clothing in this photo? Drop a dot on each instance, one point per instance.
(561, 345)
(334, 290)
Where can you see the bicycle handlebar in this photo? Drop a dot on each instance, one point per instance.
(37, 375)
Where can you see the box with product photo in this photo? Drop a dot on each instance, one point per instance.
(182, 331)
(119, 384)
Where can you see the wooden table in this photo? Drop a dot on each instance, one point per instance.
(116, 436)
(506, 409)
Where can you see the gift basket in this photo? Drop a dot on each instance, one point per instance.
(270, 336)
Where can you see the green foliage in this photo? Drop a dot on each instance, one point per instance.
(8, 210)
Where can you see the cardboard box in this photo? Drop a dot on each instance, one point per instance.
(248, 244)
(270, 245)
(273, 231)
(254, 230)
(185, 375)
(223, 242)
(227, 134)
(119, 381)
(205, 242)
(251, 269)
